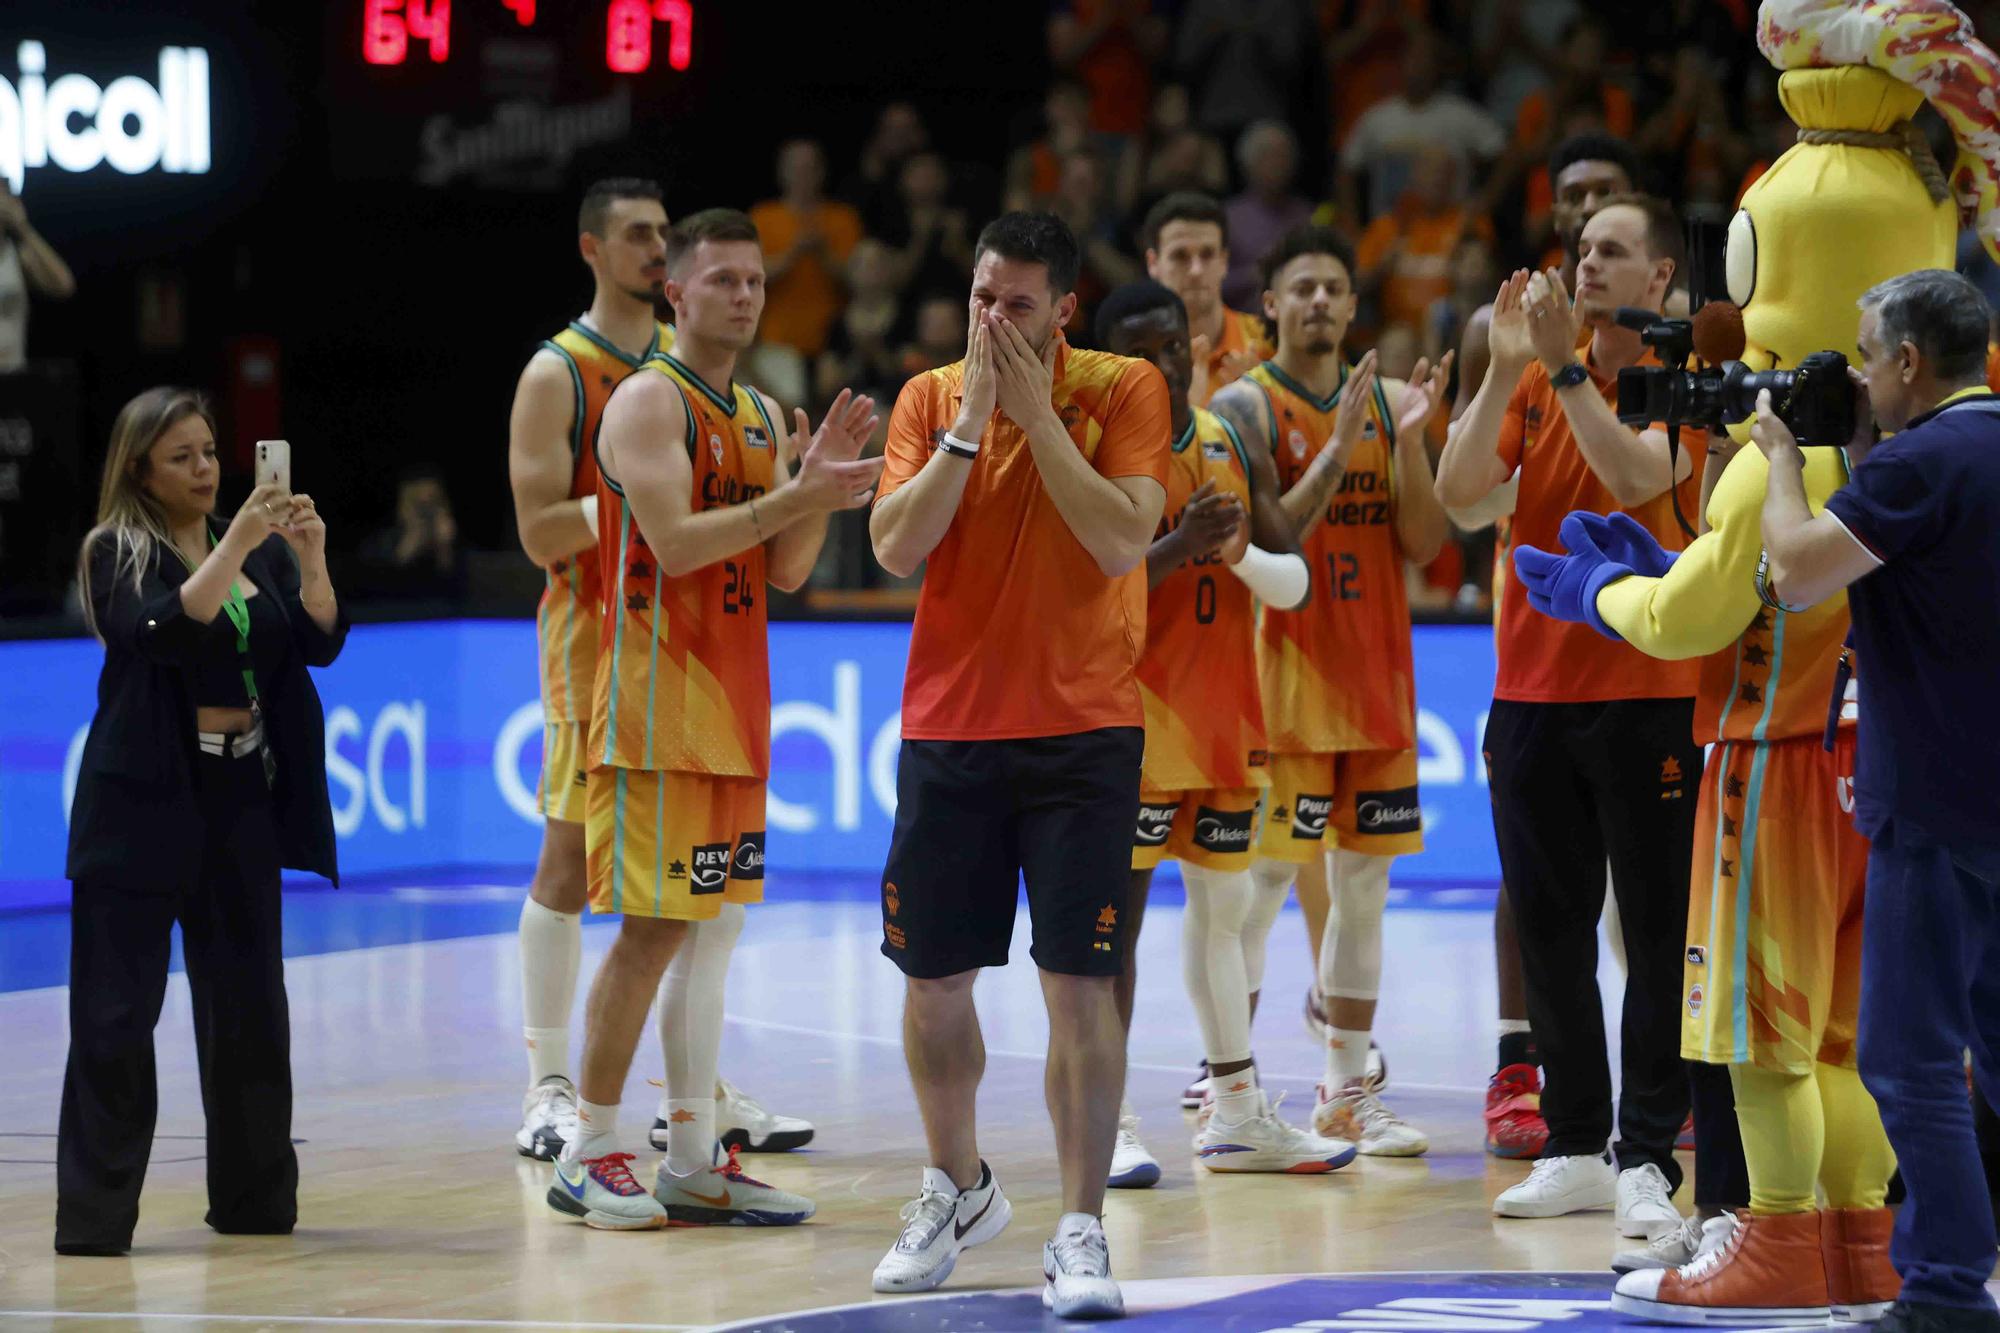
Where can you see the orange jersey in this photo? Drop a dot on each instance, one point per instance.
(686, 685)
(1198, 675)
(1336, 673)
(566, 620)
(1541, 659)
(1240, 333)
(1018, 632)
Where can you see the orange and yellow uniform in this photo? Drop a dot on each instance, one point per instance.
(680, 728)
(1206, 763)
(1774, 920)
(1241, 332)
(1340, 702)
(566, 619)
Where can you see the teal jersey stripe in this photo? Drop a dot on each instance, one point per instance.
(1313, 400)
(1236, 443)
(725, 405)
(1270, 411)
(1720, 764)
(757, 401)
(653, 665)
(659, 838)
(1745, 886)
(605, 344)
(618, 843)
(576, 388)
(1771, 681)
(617, 640)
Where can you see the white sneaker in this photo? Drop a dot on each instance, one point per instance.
(1356, 1114)
(602, 1192)
(548, 1119)
(940, 1222)
(1679, 1247)
(1132, 1167)
(1645, 1204)
(1077, 1263)
(1560, 1185)
(720, 1195)
(1264, 1142)
(1192, 1094)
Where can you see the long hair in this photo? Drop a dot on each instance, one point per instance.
(126, 514)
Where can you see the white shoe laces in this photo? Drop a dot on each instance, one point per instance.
(1128, 1131)
(1082, 1254)
(1685, 1237)
(1544, 1172)
(924, 1216)
(1650, 1187)
(1709, 1258)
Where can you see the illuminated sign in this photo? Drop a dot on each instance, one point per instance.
(72, 124)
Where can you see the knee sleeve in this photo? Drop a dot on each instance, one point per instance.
(1212, 962)
(1270, 881)
(691, 997)
(1350, 958)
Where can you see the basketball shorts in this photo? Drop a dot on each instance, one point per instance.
(975, 818)
(1366, 799)
(675, 845)
(561, 793)
(1215, 828)
(1773, 972)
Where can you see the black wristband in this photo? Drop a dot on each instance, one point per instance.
(1570, 375)
(956, 450)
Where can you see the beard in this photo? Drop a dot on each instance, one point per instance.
(1321, 344)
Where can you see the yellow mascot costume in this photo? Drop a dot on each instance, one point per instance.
(1774, 922)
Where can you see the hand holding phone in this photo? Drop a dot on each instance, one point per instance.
(274, 463)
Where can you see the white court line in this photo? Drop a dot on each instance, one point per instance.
(897, 1042)
(364, 1321)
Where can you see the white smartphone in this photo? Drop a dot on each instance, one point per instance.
(274, 463)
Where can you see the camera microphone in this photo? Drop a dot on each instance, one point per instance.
(1718, 333)
(1635, 318)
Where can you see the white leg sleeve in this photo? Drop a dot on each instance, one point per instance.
(1350, 957)
(1212, 959)
(691, 1035)
(1270, 881)
(1614, 928)
(551, 945)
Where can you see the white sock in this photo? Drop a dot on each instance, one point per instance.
(596, 1131)
(691, 995)
(1237, 1096)
(1125, 1111)
(551, 945)
(1346, 1057)
(690, 1135)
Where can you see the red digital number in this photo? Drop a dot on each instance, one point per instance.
(524, 11)
(628, 34)
(388, 25)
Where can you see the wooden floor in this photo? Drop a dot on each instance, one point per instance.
(416, 1212)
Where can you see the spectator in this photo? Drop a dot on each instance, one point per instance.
(1397, 348)
(1405, 255)
(941, 330)
(873, 189)
(929, 236)
(1034, 172)
(1472, 283)
(1080, 202)
(1517, 45)
(1246, 60)
(1579, 89)
(808, 239)
(418, 557)
(1110, 47)
(1268, 157)
(1367, 42)
(1690, 132)
(29, 266)
(1380, 153)
(1174, 158)
(861, 348)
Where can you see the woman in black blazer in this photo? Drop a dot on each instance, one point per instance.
(203, 774)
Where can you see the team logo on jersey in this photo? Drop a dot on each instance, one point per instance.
(715, 448)
(1155, 822)
(711, 867)
(1223, 830)
(1260, 758)
(755, 438)
(1310, 816)
(1694, 1000)
(1071, 414)
(1299, 444)
(748, 863)
(677, 869)
(1368, 429)
(1388, 811)
(1214, 449)
(1697, 956)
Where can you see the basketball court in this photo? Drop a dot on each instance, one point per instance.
(415, 1211)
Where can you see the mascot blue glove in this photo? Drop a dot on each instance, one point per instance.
(1565, 587)
(1626, 541)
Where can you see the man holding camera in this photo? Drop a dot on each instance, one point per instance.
(1916, 532)
(1589, 744)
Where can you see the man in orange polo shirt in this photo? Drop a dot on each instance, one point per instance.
(1028, 480)
(1590, 743)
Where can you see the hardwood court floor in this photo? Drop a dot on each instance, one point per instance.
(416, 1212)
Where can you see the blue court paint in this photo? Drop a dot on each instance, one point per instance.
(1363, 1303)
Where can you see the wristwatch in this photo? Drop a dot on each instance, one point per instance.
(1570, 375)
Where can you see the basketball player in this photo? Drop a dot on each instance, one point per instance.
(1029, 480)
(621, 229)
(1186, 236)
(1337, 679)
(1205, 762)
(700, 506)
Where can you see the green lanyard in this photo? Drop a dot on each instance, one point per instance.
(238, 611)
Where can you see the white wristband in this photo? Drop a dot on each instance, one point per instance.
(589, 505)
(951, 444)
(1278, 580)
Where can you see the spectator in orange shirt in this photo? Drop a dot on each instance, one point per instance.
(1110, 47)
(1405, 255)
(1034, 172)
(1579, 101)
(809, 239)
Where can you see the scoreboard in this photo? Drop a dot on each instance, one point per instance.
(635, 32)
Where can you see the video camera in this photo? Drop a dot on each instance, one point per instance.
(1816, 399)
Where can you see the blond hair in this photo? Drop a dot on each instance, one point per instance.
(126, 514)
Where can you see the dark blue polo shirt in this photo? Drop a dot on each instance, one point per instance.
(1926, 503)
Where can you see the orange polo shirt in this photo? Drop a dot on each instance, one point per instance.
(802, 305)
(1018, 632)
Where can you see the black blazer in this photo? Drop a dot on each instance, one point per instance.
(134, 819)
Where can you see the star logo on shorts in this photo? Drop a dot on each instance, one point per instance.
(892, 902)
(1728, 827)
(1729, 870)
(1281, 813)
(638, 601)
(1670, 770)
(1107, 919)
(1733, 787)
(1755, 656)
(682, 1116)
(677, 870)
(1750, 694)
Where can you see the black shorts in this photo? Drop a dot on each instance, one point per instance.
(973, 818)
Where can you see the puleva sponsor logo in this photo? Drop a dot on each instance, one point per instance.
(1155, 823)
(1309, 816)
(748, 863)
(1395, 811)
(711, 867)
(1223, 830)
